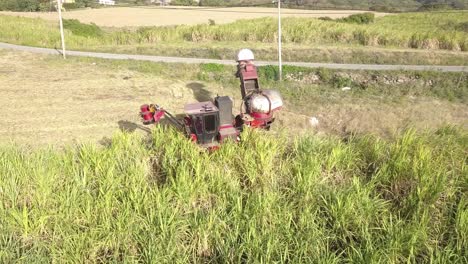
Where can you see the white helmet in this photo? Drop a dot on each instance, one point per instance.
(245, 55)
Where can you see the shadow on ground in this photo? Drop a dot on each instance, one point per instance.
(199, 92)
(127, 126)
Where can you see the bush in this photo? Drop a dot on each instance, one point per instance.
(462, 27)
(364, 18)
(20, 5)
(435, 7)
(268, 72)
(325, 18)
(80, 29)
(183, 2)
(325, 75)
(212, 3)
(85, 3)
(69, 6)
(340, 82)
(383, 8)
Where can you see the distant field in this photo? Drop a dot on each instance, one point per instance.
(410, 38)
(147, 16)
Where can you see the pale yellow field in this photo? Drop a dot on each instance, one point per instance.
(156, 16)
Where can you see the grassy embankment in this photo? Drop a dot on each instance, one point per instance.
(403, 38)
(304, 85)
(323, 200)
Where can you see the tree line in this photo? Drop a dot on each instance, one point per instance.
(41, 5)
(375, 5)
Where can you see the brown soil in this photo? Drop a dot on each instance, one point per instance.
(47, 101)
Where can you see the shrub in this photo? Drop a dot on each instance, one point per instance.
(325, 75)
(325, 18)
(69, 6)
(364, 18)
(435, 7)
(20, 5)
(383, 8)
(268, 72)
(47, 7)
(86, 3)
(183, 2)
(80, 29)
(340, 82)
(462, 27)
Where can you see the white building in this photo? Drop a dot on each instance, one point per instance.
(161, 2)
(106, 2)
(165, 2)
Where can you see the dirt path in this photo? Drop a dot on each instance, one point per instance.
(46, 100)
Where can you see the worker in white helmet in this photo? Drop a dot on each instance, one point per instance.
(244, 57)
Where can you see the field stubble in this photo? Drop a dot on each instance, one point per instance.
(145, 16)
(84, 99)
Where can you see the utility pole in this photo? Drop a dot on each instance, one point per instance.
(280, 63)
(59, 7)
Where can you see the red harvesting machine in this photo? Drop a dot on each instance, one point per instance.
(210, 123)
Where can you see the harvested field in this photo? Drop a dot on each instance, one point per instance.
(46, 100)
(79, 102)
(147, 16)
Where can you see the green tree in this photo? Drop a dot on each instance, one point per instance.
(183, 2)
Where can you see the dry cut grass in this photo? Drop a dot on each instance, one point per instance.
(144, 16)
(65, 102)
(46, 100)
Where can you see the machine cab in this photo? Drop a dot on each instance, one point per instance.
(204, 122)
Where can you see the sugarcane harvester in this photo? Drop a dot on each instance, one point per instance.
(210, 123)
(258, 106)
